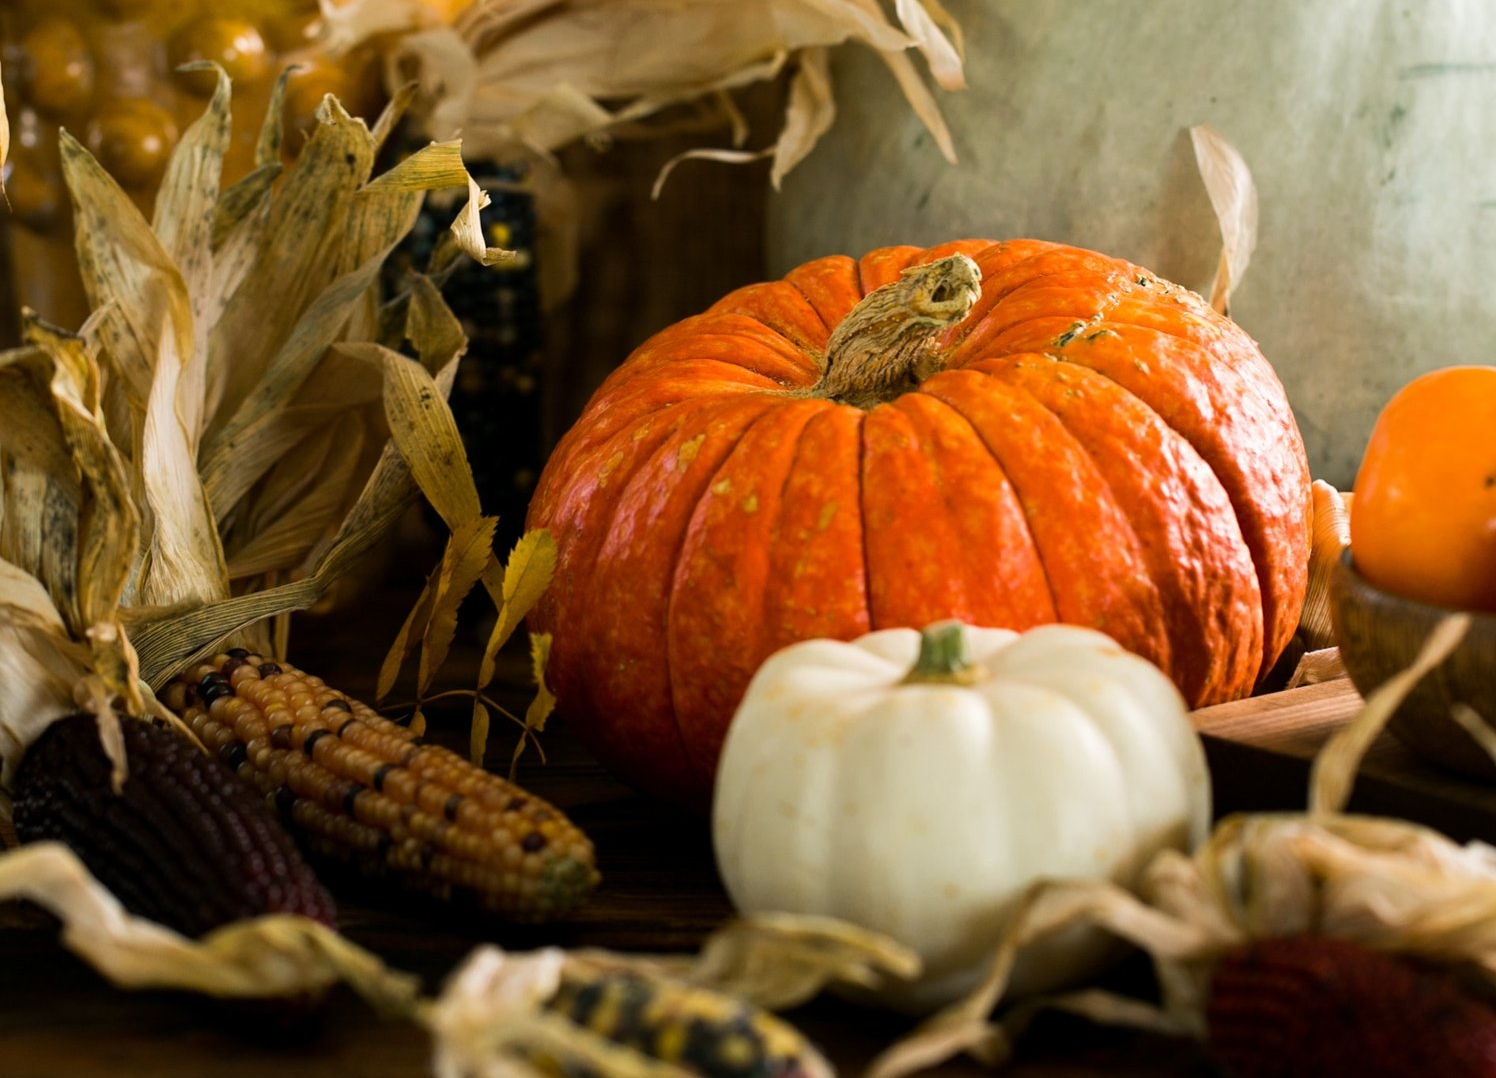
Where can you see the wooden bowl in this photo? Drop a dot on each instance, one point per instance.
(1380, 634)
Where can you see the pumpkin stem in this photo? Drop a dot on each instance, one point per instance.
(943, 658)
(885, 345)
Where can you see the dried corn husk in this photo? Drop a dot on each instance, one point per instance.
(1332, 534)
(234, 426)
(269, 956)
(533, 75)
(493, 1003)
(1233, 197)
(1388, 884)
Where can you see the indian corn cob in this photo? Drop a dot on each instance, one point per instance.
(1316, 1005)
(184, 843)
(358, 788)
(699, 1030)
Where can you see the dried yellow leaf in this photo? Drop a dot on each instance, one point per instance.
(531, 565)
(408, 638)
(540, 706)
(468, 552)
(478, 734)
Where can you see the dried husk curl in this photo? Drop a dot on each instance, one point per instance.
(532, 76)
(267, 957)
(493, 1005)
(493, 1002)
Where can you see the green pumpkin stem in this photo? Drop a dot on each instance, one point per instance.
(884, 347)
(943, 657)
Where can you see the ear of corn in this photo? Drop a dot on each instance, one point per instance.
(184, 843)
(1319, 1005)
(696, 1029)
(358, 788)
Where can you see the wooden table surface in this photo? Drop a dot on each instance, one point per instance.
(660, 892)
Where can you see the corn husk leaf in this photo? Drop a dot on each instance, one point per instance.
(42, 491)
(532, 76)
(40, 663)
(172, 638)
(492, 1004)
(467, 230)
(1315, 667)
(1387, 884)
(108, 524)
(212, 334)
(491, 1013)
(279, 955)
(426, 434)
(1336, 765)
(1331, 535)
(1233, 197)
(778, 961)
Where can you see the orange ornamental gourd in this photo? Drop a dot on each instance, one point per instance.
(1006, 433)
(1424, 522)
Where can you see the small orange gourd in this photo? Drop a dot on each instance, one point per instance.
(1423, 523)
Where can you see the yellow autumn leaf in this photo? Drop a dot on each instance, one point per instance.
(468, 551)
(478, 734)
(408, 638)
(527, 574)
(543, 703)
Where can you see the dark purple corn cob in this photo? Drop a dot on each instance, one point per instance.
(1317, 1006)
(185, 843)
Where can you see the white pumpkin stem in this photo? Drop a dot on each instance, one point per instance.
(943, 657)
(884, 345)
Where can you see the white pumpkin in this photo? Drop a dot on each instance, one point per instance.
(898, 784)
(1366, 124)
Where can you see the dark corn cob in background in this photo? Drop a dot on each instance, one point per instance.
(1316, 1007)
(701, 1031)
(184, 844)
(358, 788)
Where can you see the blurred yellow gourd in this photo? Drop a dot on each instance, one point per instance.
(107, 71)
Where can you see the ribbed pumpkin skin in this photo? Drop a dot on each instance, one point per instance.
(1100, 448)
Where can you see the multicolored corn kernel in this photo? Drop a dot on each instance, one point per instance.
(184, 843)
(701, 1031)
(356, 787)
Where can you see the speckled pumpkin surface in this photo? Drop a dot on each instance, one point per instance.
(1091, 444)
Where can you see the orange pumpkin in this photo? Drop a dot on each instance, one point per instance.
(1014, 433)
(1423, 521)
